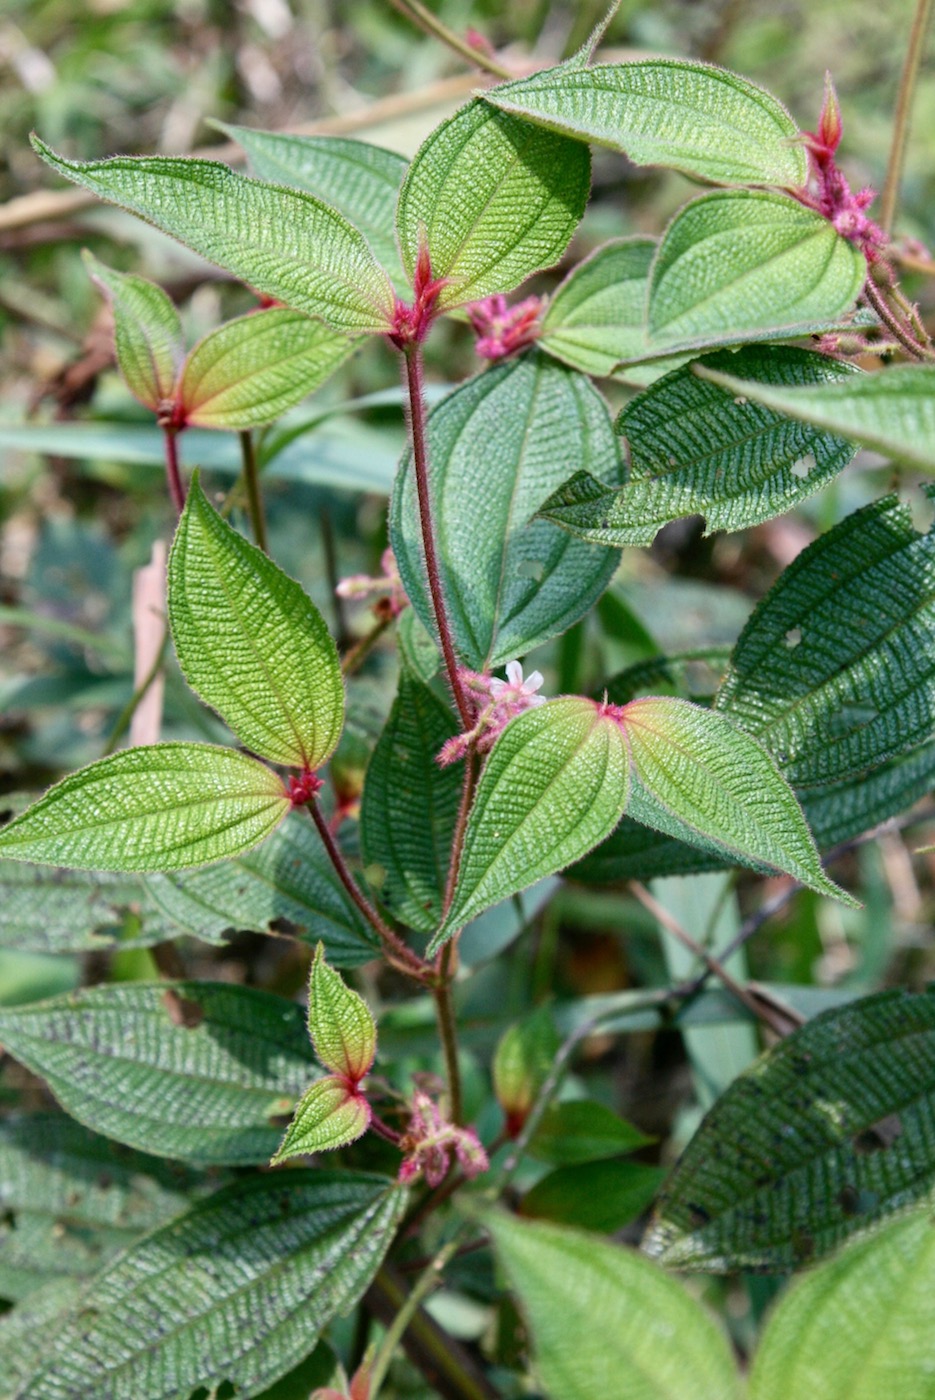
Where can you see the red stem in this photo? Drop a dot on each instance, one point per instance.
(173, 475)
(412, 354)
(889, 318)
(397, 953)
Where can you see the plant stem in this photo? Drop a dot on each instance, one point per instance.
(448, 1033)
(412, 355)
(422, 1287)
(173, 475)
(361, 649)
(892, 322)
(907, 86)
(401, 957)
(457, 840)
(251, 478)
(122, 722)
(431, 24)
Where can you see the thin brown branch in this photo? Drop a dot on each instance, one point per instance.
(903, 113)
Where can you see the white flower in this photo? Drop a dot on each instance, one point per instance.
(515, 691)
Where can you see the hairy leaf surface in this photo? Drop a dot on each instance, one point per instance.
(327, 1116)
(597, 316)
(147, 332)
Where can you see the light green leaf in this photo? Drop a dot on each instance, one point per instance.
(495, 200)
(699, 775)
(511, 582)
(409, 806)
(521, 1064)
(162, 807)
(647, 366)
(194, 1070)
(359, 180)
(251, 642)
(237, 1290)
(555, 784)
(340, 1023)
(284, 243)
(736, 261)
(693, 451)
(833, 672)
(147, 333)
(860, 1327)
(692, 117)
(251, 370)
(892, 412)
(25, 1331)
(327, 1116)
(825, 1133)
(580, 1130)
(605, 1321)
(286, 887)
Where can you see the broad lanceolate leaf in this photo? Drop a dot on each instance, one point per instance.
(147, 333)
(700, 776)
(495, 199)
(738, 261)
(359, 180)
(834, 671)
(162, 807)
(339, 1021)
(410, 804)
(689, 116)
(860, 1326)
(194, 1070)
(251, 642)
(693, 451)
(605, 1321)
(282, 242)
(287, 887)
(555, 784)
(252, 369)
(327, 1116)
(237, 1290)
(825, 1133)
(510, 584)
(893, 412)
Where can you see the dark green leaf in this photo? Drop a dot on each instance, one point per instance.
(238, 1290)
(827, 1132)
(194, 1070)
(26, 1331)
(511, 581)
(495, 199)
(599, 1196)
(409, 805)
(579, 1130)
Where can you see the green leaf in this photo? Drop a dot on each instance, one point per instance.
(521, 1064)
(194, 1070)
(409, 806)
(691, 117)
(147, 333)
(494, 199)
(579, 1130)
(251, 642)
(596, 317)
(859, 1327)
(833, 671)
(26, 1330)
(285, 887)
(511, 582)
(698, 774)
(162, 807)
(825, 1133)
(251, 370)
(695, 452)
(555, 784)
(735, 261)
(359, 180)
(327, 1116)
(605, 1321)
(284, 243)
(647, 366)
(340, 1023)
(892, 412)
(69, 1199)
(237, 1290)
(600, 1196)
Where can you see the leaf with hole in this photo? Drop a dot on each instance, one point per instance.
(236, 1290)
(694, 117)
(283, 243)
(147, 333)
(511, 582)
(827, 1132)
(193, 1070)
(161, 807)
(736, 261)
(251, 642)
(495, 199)
(555, 784)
